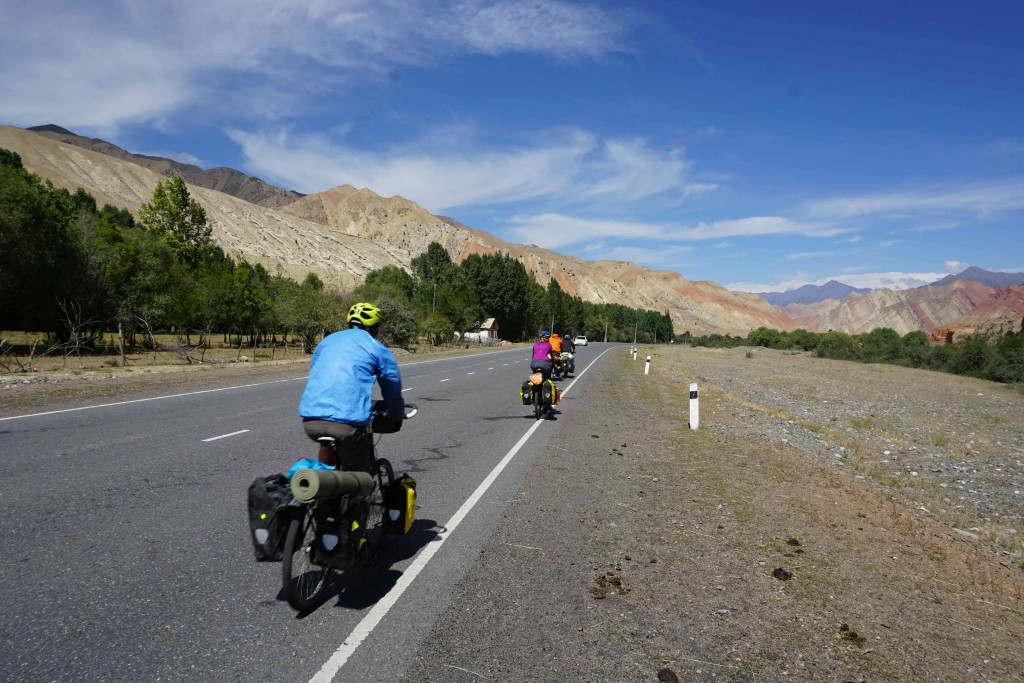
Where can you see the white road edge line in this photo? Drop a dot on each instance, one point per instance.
(363, 629)
(224, 436)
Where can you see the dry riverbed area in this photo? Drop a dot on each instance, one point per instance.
(828, 521)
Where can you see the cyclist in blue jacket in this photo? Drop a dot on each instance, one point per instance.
(338, 396)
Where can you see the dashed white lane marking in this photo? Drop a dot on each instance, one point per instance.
(446, 380)
(363, 629)
(471, 373)
(490, 368)
(224, 436)
(405, 390)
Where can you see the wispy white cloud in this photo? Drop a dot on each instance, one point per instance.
(556, 230)
(444, 171)
(100, 65)
(755, 226)
(805, 255)
(890, 243)
(974, 199)
(183, 157)
(674, 256)
(954, 267)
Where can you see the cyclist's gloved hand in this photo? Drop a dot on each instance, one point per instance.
(386, 425)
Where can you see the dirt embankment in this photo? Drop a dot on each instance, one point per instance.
(802, 533)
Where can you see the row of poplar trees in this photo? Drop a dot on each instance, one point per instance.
(74, 271)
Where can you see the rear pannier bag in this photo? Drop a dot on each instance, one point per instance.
(340, 525)
(270, 511)
(399, 505)
(552, 394)
(526, 393)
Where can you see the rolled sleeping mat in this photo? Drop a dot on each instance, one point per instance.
(310, 485)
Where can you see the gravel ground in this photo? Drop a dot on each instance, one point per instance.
(952, 446)
(760, 547)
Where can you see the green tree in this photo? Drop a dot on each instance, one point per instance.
(42, 250)
(835, 345)
(433, 265)
(389, 281)
(503, 287)
(881, 344)
(308, 310)
(172, 214)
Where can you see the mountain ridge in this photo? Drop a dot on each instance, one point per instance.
(809, 294)
(356, 231)
(985, 277)
(220, 178)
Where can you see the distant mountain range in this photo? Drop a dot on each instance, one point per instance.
(343, 233)
(809, 294)
(985, 277)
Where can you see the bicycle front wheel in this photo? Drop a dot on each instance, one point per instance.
(303, 580)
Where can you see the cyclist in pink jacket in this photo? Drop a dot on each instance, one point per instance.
(542, 354)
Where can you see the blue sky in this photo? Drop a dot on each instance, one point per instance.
(762, 145)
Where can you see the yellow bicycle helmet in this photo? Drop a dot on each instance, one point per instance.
(363, 315)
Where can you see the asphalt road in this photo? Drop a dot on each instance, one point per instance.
(125, 553)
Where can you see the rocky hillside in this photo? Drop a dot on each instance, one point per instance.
(921, 308)
(280, 242)
(222, 179)
(342, 234)
(1001, 315)
(700, 307)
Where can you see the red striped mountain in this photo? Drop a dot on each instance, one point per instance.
(1001, 315)
(907, 310)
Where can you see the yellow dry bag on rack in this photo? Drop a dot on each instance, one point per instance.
(399, 505)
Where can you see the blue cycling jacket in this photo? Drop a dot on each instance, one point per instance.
(340, 385)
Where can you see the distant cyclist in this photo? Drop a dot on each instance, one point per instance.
(338, 396)
(542, 353)
(556, 343)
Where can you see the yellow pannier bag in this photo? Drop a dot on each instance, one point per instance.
(399, 505)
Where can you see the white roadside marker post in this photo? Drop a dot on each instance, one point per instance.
(647, 366)
(694, 407)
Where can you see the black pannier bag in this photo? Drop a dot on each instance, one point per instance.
(399, 505)
(526, 393)
(341, 525)
(270, 511)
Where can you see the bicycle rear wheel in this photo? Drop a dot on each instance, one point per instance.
(303, 580)
(385, 474)
(538, 402)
